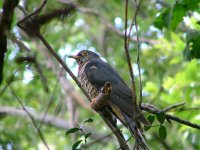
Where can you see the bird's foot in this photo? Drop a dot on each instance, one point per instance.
(100, 101)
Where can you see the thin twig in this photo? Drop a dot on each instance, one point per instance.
(127, 53)
(134, 20)
(132, 23)
(32, 119)
(31, 14)
(126, 48)
(173, 106)
(138, 51)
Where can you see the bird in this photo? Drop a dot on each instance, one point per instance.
(93, 73)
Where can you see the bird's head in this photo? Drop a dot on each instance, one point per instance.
(84, 56)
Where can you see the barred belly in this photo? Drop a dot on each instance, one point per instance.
(89, 88)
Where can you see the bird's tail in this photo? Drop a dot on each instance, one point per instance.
(134, 129)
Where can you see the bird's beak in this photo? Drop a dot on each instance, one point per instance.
(74, 57)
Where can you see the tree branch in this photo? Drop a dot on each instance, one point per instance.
(152, 109)
(173, 106)
(6, 16)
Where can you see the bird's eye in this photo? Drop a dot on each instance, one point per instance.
(84, 53)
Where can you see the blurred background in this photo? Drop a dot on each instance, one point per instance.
(169, 35)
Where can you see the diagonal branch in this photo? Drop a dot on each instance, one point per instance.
(32, 119)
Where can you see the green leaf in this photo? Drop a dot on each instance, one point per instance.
(162, 132)
(191, 5)
(75, 145)
(177, 15)
(163, 19)
(87, 135)
(146, 128)
(161, 117)
(72, 130)
(88, 120)
(151, 118)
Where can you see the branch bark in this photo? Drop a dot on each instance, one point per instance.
(152, 109)
(6, 16)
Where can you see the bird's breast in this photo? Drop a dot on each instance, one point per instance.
(85, 83)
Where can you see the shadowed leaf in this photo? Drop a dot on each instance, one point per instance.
(88, 120)
(72, 130)
(161, 117)
(151, 118)
(162, 132)
(75, 145)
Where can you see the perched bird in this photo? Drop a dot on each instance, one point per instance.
(93, 73)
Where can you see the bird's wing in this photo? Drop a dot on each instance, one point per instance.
(98, 72)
